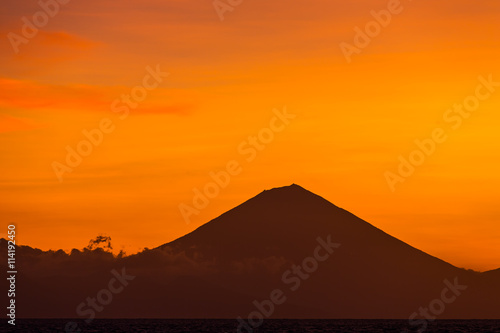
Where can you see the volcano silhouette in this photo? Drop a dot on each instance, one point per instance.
(220, 269)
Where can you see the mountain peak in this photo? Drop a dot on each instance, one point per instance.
(289, 190)
(290, 196)
(289, 210)
(293, 187)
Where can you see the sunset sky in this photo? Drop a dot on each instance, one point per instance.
(226, 81)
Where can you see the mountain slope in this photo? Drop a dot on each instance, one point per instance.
(326, 262)
(286, 222)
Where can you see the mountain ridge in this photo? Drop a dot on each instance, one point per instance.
(222, 267)
(295, 196)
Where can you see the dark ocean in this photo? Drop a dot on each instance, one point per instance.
(227, 325)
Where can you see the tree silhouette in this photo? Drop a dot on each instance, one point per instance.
(100, 242)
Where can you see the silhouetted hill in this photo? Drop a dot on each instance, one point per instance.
(284, 221)
(222, 267)
(495, 272)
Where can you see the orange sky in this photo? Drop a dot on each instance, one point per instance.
(225, 79)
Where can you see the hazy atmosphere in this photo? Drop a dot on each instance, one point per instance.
(114, 118)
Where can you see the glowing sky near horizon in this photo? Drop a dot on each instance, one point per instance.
(353, 120)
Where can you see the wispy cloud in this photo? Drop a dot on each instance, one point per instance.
(38, 97)
(14, 124)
